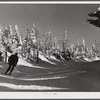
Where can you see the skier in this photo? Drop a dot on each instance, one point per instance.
(12, 61)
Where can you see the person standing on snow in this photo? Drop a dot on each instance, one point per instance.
(13, 60)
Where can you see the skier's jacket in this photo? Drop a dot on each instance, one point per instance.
(13, 59)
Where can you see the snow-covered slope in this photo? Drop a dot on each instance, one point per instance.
(54, 58)
(25, 63)
(20, 80)
(92, 59)
(27, 87)
(45, 59)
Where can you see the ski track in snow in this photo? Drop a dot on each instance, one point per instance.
(45, 78)
(32, 79)
(28, 87)
(78, 72)
(59, 72)
(33, 87)
(50, 73)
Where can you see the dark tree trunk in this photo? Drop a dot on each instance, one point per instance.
(6, 55)
(37, 56)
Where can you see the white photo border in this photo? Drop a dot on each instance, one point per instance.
(49, 95)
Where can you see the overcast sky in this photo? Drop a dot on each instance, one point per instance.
(57, 18)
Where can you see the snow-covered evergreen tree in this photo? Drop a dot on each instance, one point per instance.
(65, 42)
(47, 44)
(6, 41)
(31, 43)
(80, 50)
(17, 40)
(96, 48)
(96, 18)
(56, 46)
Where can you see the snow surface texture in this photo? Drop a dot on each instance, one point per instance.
(45, 59)
(52, 57)
(93, 59)
(28, 87)
(25, 63)
(31, 79)
(14, 86)
(32, 87)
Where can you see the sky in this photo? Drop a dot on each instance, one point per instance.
(53, 17)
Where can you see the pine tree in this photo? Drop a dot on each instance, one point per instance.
(26, 45)
(55, 45)
(5, 41)
(95, 20)
(65, 46)
(65, 43)
(10, 39)
(36, 38)
(2, 48)
(47, 43)
(96, 48)
(31, 43)
(96, 15)
(1, 34)
(18, 39)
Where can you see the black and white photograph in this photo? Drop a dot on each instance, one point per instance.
(50, 47)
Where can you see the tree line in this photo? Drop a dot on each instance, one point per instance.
(34, 43)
